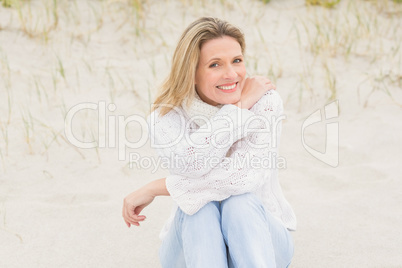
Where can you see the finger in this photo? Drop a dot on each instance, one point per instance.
(128, 210)
(126, 216)
(131, 217)
(138, 218)
(130, 221)
(135, 217)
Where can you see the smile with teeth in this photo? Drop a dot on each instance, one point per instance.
(227, 87)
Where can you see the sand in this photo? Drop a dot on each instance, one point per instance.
(60, 206)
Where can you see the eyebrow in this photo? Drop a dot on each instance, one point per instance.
(214, 59)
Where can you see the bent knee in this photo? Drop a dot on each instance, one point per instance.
(208, 211)
(241, 203)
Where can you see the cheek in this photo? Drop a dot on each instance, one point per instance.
(211, 80)
(242, 83)
(242, 72)
(206, 82)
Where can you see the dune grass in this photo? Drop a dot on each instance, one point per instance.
(119, 50)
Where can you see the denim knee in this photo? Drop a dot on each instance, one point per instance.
(242, 204)
(206, 213)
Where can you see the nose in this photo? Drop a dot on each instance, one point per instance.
(230, 72)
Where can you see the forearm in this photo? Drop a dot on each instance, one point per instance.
(188, 149)
(157, 188)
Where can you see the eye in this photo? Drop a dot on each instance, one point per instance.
(213, 65)
(237, 60)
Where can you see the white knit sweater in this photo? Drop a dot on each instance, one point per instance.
(218, 151)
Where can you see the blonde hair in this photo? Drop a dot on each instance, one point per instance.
(179, 85)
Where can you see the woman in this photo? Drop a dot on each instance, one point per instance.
(215, 124)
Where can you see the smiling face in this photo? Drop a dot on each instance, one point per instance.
(220, 72)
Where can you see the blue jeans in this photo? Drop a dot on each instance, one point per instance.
(236, 232)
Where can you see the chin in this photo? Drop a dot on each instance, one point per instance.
(230, 100)
(226, 98)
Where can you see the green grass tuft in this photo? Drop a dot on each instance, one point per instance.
(324, 3)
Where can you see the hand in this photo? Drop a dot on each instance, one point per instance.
(253, 89)
(134, 203)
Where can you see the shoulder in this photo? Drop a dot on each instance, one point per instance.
(176, 113)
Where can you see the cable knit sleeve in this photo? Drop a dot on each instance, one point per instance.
(243, 170)
(187, 152)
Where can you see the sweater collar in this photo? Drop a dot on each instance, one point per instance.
(201, 109)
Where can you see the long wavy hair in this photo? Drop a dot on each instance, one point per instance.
(179, 85)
